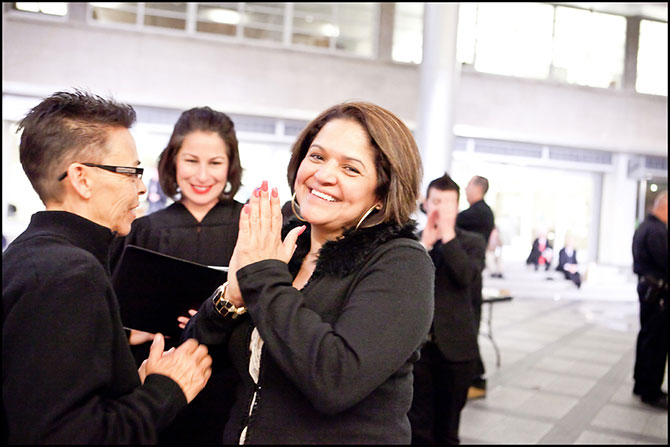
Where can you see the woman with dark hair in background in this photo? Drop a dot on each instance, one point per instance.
(325, 326)
(199, 169)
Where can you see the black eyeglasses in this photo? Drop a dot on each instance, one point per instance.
(127, 170)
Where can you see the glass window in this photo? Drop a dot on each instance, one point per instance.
(165, 15)
(114, 12)
(344, 26)
(652, 58)
(585, 57)
(313, 24)
(408, 32)
(218, 18)
(514, 39)
(263, 21)
(47, 8)
(355, 26)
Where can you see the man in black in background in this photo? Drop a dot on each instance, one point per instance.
(650, 263)
(479, 219)
(449, 359)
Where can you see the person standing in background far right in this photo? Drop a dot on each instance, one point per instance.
(479, 219)
(650, 263)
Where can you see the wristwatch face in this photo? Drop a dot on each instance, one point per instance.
(225, 307)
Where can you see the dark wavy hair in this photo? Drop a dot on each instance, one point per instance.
(397, 158)
(207, 120)
(64, 128)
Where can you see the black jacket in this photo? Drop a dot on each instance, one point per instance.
(336, 365)
(535, 253)
(174, 231)
(563, 259)
(68, 376)
(458, 267)
(650, 248)
(477, 218)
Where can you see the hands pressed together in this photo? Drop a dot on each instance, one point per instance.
(259, 237)
(441, 224)
(189, 365)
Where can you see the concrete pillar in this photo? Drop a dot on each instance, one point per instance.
(619, 197)
(386, 20)
(630, 56)
(439, 72)
(596, 209)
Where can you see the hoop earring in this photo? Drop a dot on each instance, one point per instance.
(228, 188)
(294, 211)
(374, 207)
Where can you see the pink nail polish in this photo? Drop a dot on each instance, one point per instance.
(257, 192)
(264, 185)
(246, 208)
(275, 193)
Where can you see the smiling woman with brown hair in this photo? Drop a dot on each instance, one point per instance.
(325, 326)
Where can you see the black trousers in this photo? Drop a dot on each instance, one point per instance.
(574, 277)
(479, 371)
(652, 345)
(440, 393)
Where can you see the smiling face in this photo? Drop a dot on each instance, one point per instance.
(116, 196)
(201, 170)
(336, 181)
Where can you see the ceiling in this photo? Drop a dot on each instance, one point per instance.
(657, 11)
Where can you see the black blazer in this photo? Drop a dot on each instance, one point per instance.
(535, 252)
(337, 360)
(650, 248)
(477, 218)
(458, 265)
(563, 259)
(68, 376)
(174, 231)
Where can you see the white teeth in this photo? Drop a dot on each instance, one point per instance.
(323, 196)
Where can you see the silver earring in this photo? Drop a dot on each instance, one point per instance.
(374, 207)
(294, 211)
(228, 188)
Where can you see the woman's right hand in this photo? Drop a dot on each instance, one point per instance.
(233, 292)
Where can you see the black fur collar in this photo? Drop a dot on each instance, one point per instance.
(350, 251)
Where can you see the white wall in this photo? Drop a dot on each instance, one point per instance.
(177, 71)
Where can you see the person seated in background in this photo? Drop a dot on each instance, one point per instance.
(567, 262)
(542, 251)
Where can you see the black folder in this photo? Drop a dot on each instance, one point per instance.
(154, 289)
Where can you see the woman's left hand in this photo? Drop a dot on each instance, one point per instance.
(259, 235)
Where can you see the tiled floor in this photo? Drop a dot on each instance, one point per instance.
(566, 365)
